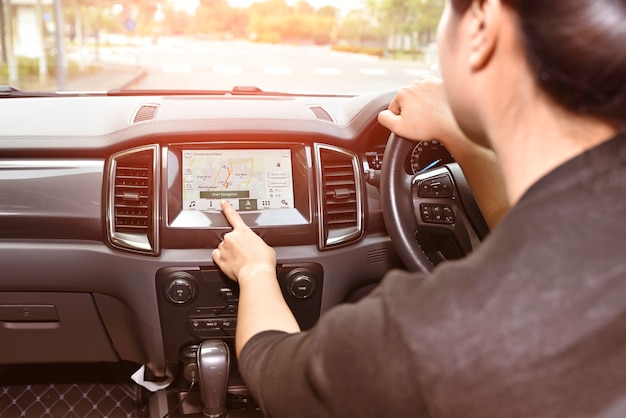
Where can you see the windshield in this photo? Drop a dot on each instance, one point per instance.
(314, 46)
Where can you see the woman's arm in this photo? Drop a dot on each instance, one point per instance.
(420, 112)
(246, 258)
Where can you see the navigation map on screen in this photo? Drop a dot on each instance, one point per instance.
(256, 179)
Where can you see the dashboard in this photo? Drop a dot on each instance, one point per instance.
(108, 215)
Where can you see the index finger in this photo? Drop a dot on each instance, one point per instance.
(231, 214)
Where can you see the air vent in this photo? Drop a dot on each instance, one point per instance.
(145, 113)
(132, 210)
(321, 113)
(341, 203)
(377, 256)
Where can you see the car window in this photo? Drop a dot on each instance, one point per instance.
(313, 46)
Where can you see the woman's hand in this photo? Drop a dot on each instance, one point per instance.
(420, 112)
(243, 253)
(246, 258)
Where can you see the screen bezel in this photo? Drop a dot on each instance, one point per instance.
(300, 214)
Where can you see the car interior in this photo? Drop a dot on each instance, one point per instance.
(122, 128)
(109, 209)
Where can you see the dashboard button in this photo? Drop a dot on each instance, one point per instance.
(210, 323)
(228, 324)
(204, 312)
(301, 286)
(180, 290)
(228, 294)
(195, 324)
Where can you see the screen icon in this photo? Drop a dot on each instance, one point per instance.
(248, 204)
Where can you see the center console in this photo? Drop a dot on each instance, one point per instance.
(272, 186)
(199, 304)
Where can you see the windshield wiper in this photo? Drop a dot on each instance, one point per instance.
(10, 91)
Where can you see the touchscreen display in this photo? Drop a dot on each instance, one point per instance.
(251, 179)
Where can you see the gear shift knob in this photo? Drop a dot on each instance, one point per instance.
(213, 364)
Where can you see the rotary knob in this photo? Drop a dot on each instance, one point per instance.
(301, 286)
(181, 289)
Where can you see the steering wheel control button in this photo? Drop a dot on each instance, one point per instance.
(440, 186)
(181, 289)
(448, 215)
(301, 286)
(437, 214)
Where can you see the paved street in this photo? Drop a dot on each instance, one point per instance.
(178, 63)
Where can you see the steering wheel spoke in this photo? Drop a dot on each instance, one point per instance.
(439, 212)
(431, 216)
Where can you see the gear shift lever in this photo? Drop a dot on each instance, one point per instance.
(213, 364)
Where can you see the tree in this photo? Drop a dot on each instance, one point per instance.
(3, 42)
(275, 21)
(175, 22)
(303, 7)
(328, 11)
(361, 27)
(407, 23)
(212, 17)
(270, 8)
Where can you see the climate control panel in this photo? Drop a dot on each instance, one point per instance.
(197, 303)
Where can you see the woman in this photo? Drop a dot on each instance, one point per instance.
(532, 323)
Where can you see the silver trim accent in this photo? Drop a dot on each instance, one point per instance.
(340, 236)
(139, 243)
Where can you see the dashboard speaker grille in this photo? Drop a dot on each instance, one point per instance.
(132, 209)
(145, 112)
(321, 113)
(341, 197)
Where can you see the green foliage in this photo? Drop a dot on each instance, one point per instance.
(27, 67)
(28, 70)
(356, 49)
(275, 21)
(292, 28)
(360, 28)
(387, 24)
(412, 19)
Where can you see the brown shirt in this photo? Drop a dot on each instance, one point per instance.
(531, 324)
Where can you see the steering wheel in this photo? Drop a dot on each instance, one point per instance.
(437, 201)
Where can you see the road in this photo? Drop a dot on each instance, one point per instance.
(178, 63)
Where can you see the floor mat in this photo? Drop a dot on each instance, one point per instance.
(70, 396)
(69, 400)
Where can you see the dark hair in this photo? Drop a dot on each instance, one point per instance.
(577, 50)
